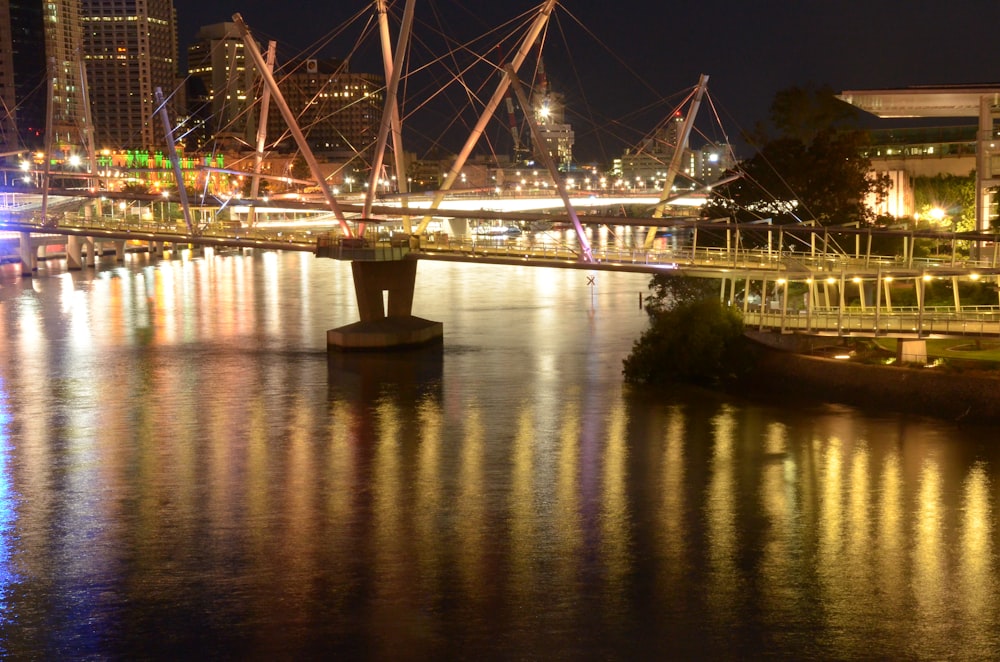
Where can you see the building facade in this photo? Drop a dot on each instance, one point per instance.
(337, 110)
(40, 47)
(130, 48)
(221, 88)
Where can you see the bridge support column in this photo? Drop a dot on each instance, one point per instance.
(91, 246)
(74, 253)
(27, 253)
(457, 227)
(911, 351)
(380, 328)
(119, 251)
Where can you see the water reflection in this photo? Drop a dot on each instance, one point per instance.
(210, 488)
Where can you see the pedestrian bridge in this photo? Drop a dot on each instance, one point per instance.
(819, 289)
(908, 322)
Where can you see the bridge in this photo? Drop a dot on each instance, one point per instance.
(834, 283)
(806, 279)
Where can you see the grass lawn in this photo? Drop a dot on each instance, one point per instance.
(987, 349)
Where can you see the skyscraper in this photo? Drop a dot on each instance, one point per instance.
(337, 110)
(131, 49)
(40, 41)
(221, 79)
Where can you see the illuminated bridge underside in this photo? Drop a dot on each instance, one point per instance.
(908, 323)
(392, 268)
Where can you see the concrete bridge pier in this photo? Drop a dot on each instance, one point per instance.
(119, 251)
(385, 324)
(93, 251)
(911, 351)
(456, 227)
(28, 254)
(74, 253)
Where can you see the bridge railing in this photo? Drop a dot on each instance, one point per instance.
(907, 322)
(171, 226)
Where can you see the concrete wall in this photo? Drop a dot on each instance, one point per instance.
(925, 391)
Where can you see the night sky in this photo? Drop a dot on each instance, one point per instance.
(623, 64)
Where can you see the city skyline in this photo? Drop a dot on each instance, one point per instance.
(622, 60)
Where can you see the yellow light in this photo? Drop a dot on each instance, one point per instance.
(928, 278)
(856, 280)
(973, 276)
(888, 279)
(831, 280)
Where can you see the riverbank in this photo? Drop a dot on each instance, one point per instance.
(959, 396)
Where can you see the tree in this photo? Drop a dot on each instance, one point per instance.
(802, 112)
(691, 338)
(813, 169)
(696, 342)
(953, 195)
(669, 290)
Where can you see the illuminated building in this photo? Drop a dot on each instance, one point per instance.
(338, 111)
(556, 135)
(37, 38)
(646, 166)
(221, 83)
(131, 49)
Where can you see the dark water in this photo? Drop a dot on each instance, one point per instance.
(185, 474)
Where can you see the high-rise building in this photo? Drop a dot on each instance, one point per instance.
(338, 111)
(556, 135)
(40, 42)
(131, 49)
(221, 80)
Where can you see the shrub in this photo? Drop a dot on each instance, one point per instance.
(698, 341)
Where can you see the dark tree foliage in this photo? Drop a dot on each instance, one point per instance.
(692, 338)
(696, 342)
(802, 112)
(813, 169)
(954, 194)
(668, 290)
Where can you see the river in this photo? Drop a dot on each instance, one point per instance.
(186, 473)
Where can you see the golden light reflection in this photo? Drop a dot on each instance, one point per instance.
(429, 498)
(976, 575)
(720, 515)
(164, 317)
(671, 529)
(859, 520)
(891, 549)
(471, 525)
(258, 489)
(566, 515)
(523, 533)
(929, 563)
(778, 505)
(615, 515)
(273, 318)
